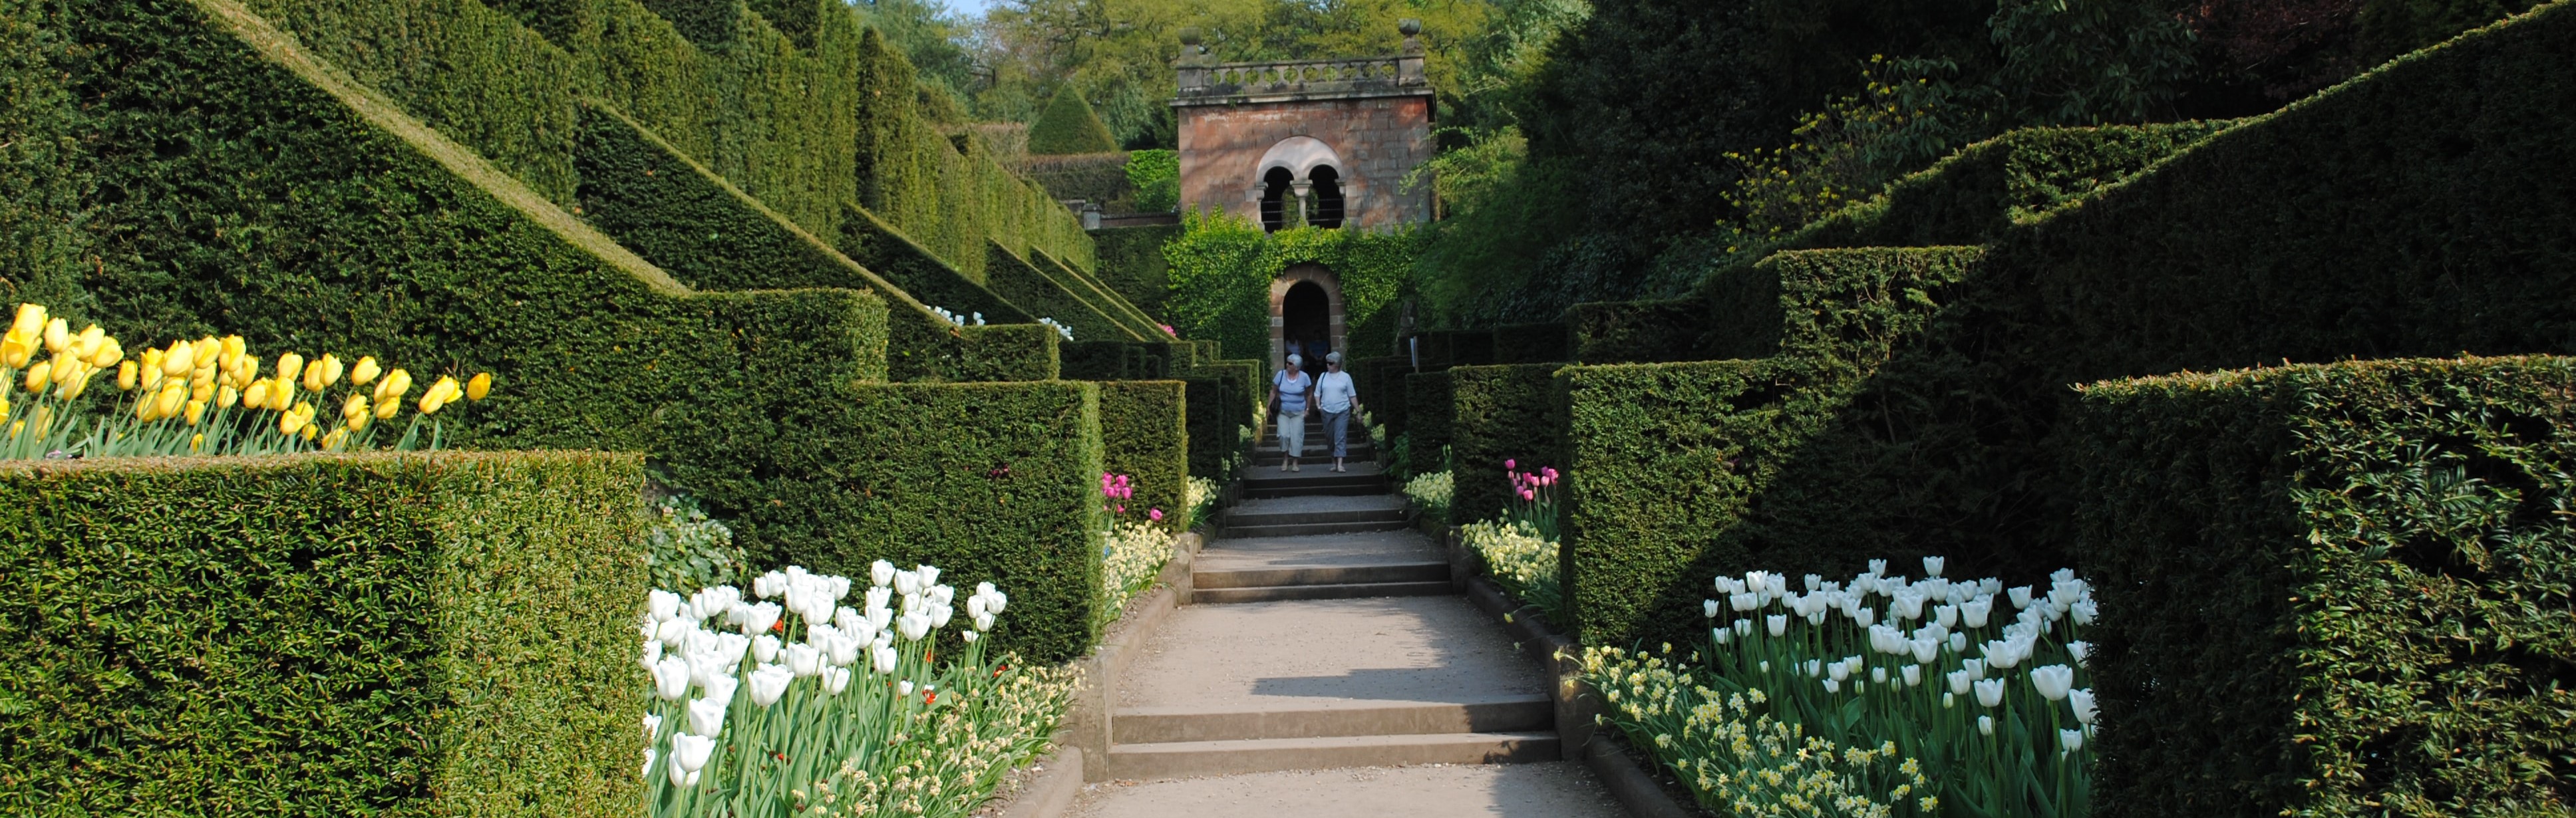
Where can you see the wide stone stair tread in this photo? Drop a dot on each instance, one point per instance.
(1507, 714)
(1363, 478)
(1188, 758)
(1317, 514)
(1553, 789)
(1343, 574)
(1246, 553)
(1304, 654)
(1282, 593)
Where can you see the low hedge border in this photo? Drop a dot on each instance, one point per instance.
(2334, 590)
(1145, 431)
(1499, 413)
(321, 635)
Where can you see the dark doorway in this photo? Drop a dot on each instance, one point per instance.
(1306, 324)
(1328, 196)
(1275, 198)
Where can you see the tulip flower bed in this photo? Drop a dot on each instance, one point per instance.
(805, 706)
(206, 396)
(1876, 696)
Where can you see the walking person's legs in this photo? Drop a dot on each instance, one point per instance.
(1337, 430)
(1292, 439)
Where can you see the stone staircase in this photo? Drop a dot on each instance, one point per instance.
(1323, 632)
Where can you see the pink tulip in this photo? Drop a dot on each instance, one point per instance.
(1527, 494)
(1511, 464)
(1122, 508)
(1155, 515)
(1549, 471)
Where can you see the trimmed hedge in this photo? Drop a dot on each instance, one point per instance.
(1212, 427)
(1530, 343)
(321, 635)
(1118, 361)
(1499, 413)
(305, 213)
(1622, 332)
(1380, 382)
(1068, 126)
(1144, 425)
(1429, 402)
(1125, 315)
(1099, 178)
(1131, 263)
(2334, 590)
(1679, 472)
(1037, 292)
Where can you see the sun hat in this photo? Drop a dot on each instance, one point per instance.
(1332, 357)
(1294, 358)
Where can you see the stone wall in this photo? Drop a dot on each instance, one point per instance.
(1377, 139)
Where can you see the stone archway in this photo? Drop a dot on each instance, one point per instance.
(1307, 281)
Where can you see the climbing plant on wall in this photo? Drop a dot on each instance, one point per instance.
(1222, 266)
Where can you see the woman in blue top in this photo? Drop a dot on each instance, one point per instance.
(1290, 393)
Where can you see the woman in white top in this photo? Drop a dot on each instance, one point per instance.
(1336, 396)
(1291, 392)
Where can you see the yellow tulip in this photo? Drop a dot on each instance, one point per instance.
(4, 408)
(355, 406)
(234, 347)
(109, 352)
(125, 376)
(143, 408)
(67, 370)
(197, 442)
(331, 369)
(394, 385)
(178, 359)
(290, 421)
(359, 423)
(439, 394)
(15, 349)
(480, 386)
(43, 418)
(86, 344)
(309, 429)
(244, 369)
(201, 391)
(281, 392)
(196, 411)
(39, 375)
(256, 396)
(209, 351)
(365, 372)
(30, 321)
(173, 397)
(58, 336)
(289, 366)
(335, 438)
(226, 396)
(15, 428)
(385, 409)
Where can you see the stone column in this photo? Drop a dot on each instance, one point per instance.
(1305, 189)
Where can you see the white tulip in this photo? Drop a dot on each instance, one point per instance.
(1990, 586)
(760, 618)
(652, 727)
(652, 653)
(2082, 701)
(984, 622)
(662, 605)
(1975, 668)
(836, 680)
(885, 659)
(673, 631)
(879, 597)
(970, 636)
(1833, 685)
(2083, 611)
(903, 688)
(844, 650)
(939, 615)
(804, 659)
(1925, 650)
(671, 678)
(681, 777)
(769, 585)
(998, 601)
(1721, 635)
(2079, 650)
(723, 689)
(1913, 675)
(764, 648)
(879, 617)
(840, 587)
(2020, 596)
(1959, 680)
(1743, 601)
(1949, 700)
(1766, 665)
(648, 762)
(1990, 692)
(2072, 740)
(1958, 643)
(2053, 681)
(1947, 615)
(1708, 608)
(880, 573)
(690, 752)
(1975, 611)
(706, 716)
(1815, 582)
(929, 574)
(732, 646)
(707, 669)
(907, 583)
(974, 607)
(1838, 671)
(941, 594)
(1986, 725)
(769, 683)
(1878, 675)
(1932, 566)
(1778, 623)
(1878, 568)
(913, 626)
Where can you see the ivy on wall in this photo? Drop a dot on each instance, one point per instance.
(1221, 267)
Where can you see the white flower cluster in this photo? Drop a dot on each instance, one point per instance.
(1060, 328)
(959, 320)
(703, 641)
(1917, 622)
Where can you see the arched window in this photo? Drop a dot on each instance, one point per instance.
(1275, 198)
(1328, 197)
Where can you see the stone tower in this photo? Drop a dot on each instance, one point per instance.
(1328, 140)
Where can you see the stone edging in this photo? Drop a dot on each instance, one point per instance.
(1082, 753)
(1562, 659)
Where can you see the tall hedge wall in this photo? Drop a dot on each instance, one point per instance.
(2334, 590)
(1145, 427)
(304, 212)
(1683, 471)
(321, 635)
(1125, 315)
(1429, 402)
(1038, 292)
(1131, 262)
(1212, 427)
(1499, 413)
(2392, 216)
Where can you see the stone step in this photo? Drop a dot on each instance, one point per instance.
(1158, 725)
(1308, 529)
(1293, 510)
(1268, 481)
(1195, 758)
(1558, 789)
(1278, 593)
(1295, 655)
(1398, 572)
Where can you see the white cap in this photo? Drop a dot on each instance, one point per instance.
(1332, 357)
(1294, 358)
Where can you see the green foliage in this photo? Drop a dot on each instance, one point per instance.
(1144, 429)
(1155, 178)
(1221, 266)
(1099, 178)
(1835, 157)
(1131, 263)
(1048, 296)
(1499, 413)
(686, 550)
(321, 635)
(316, 227)
(1428, 401)
(2088, 62)
(2339, 589)
(1068, 126)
